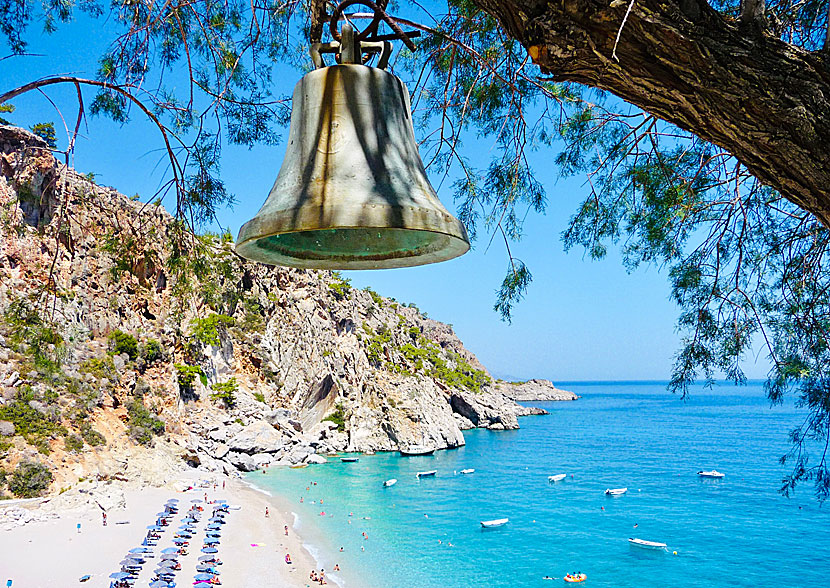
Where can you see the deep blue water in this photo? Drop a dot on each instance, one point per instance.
(738, 531)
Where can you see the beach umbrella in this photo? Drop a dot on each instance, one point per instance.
(197, 500)
(170, 557)
(179, 541)
(140, 550)
(169, 550)
(120, 575)
(213, 534)
(209, 550)
(159, 584)
(207, 558)
(154, 527)
(130, 561)
(216, 520)
(172, 500)
(212, 541)
(203, 577)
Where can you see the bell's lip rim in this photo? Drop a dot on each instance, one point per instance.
(458, 245)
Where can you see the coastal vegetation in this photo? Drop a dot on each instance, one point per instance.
(143, 426)
(29, 479)
(226, 392)
(337, 416)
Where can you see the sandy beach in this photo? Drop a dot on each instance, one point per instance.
(53, 553)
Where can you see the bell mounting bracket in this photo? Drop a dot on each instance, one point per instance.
(353, 46)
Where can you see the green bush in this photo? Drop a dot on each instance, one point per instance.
(46, 131)
(376, 298)
(340, 286)
(41, 342)
(100, 367)
(260, 397)
(91, 436)
(226, 392)
(121, 342)
(206, 330)
(30, 423)
(186, 375)
(30, 479)
(151, 351)
(73, 443)
(338, 417)
(142, 424)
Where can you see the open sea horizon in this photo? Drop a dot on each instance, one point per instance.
(738, 530)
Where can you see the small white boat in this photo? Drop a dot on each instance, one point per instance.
(494, 523)
(557, 477)
(468, 471)
(391, 482)
(710, 474)
(417, 450)
(428, 474)
(350, 459)
(642, 543)
(615, 491)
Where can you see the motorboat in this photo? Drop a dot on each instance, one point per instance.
(428, 474)
(494, 523)
(642, 543)
(615, 491)
(710, 474)
(349, 459)
(390, 482)
(417, 449)
(557, 477)
(575, 578)
(468, 471)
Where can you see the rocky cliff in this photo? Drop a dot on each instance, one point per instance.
(121, 331)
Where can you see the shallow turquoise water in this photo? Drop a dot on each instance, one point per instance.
(737, 531)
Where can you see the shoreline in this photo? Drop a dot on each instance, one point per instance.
(51, 551)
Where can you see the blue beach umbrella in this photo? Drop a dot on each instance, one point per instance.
(207, 558)
(216, 520)
(154, 527)
(169, 550)
(212, 541)
(209, 550)
(213, 534)
(159, 584)
(203, 577)
(120, 576)
(172, 500)
(140, 550)
(197, 500)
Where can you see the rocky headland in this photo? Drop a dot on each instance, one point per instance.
(131, 349)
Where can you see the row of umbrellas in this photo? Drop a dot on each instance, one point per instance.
(168, 565)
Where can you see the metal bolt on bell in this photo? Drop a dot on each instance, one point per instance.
(352, 192)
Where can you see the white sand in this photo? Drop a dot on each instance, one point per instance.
(53, 554)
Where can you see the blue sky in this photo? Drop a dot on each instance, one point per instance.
(581, 320)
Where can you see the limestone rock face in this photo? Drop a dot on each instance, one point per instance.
(543, 390)
(315, 365)
(258, 437)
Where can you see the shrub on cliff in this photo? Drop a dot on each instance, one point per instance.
(226, 392)
(121, 342)
(207, 330)
(338, 417)
(151, 351)
(143, 425)
(30, 479)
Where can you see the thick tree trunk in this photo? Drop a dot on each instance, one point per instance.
(761, 99)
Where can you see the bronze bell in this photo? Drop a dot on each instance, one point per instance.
(352, 192)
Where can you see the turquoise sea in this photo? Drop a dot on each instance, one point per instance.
(737, 531)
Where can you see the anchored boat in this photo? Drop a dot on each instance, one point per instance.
(557, 477)
(390, 482)
(494, 523)
(615, 491)
(350, 459)
(429, 474)
(468, 471)
(642, 543)
(710, 474)
(418, 449)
